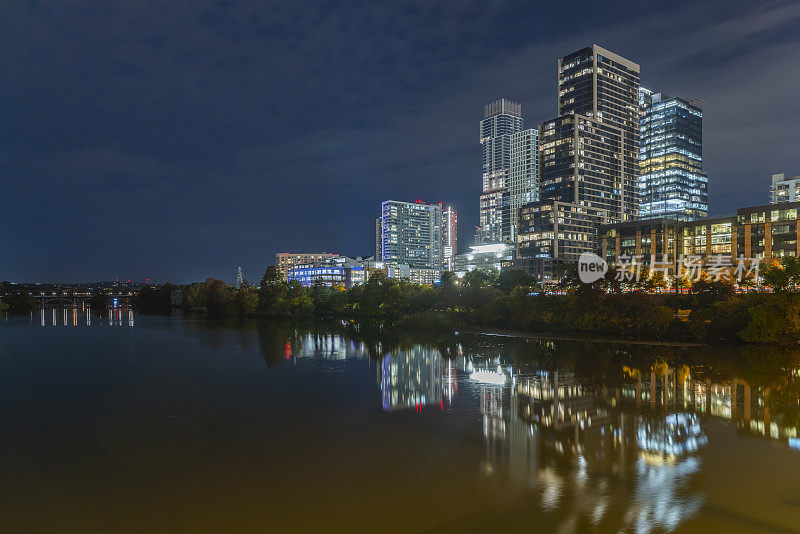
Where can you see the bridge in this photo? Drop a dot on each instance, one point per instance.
(77, 300)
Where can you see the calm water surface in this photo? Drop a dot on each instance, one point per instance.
(169, 424)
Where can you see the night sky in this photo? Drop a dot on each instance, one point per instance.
(177, 140)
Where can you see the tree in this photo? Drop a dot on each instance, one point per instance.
(448, 291)
(478, 278)
(783, 275)
(271, 276)
(513, 278)
(217, 296)
(246, 300)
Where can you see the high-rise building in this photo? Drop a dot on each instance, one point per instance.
(378, 234)
(589, 154)
(784, 189)
(411, 234)
(672, 184)
(449, 237)
(523, 174)
(501, 120)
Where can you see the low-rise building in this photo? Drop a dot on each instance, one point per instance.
(330, 272)
(485, 256)
(764, 232)
(285, 261)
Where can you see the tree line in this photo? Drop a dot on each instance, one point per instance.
(706, 311)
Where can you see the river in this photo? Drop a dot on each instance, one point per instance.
(177, 424)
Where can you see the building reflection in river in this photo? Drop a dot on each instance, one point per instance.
(325, 346)
(411, 378)
(572, 440)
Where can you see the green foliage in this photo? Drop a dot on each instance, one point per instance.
(512, 300)
(783, 276)
(510, 279)
(271, 276)
(775, 321)
(16, 299)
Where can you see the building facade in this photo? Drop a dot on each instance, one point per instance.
(331, 272)
(558, 230)
(765, 232)
(285, 261)
(672, 183)
(411, 234)
(784, 189)
(329, 275)
(523, 175)
(484, 256)
(588, 155)
(501, 120)
(449, 237)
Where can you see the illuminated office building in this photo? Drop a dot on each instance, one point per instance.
(501, 120)
(449, 237)
(766, 232)
(588, 155)
(523, 175)
(411, 234)
(672, 184)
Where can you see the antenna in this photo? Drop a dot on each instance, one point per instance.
(239, 277)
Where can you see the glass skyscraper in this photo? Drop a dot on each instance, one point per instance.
(672, 183)
(501, 120)
(523, 175)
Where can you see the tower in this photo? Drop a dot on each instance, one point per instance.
(501, 120)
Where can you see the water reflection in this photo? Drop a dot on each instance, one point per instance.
(566, 436)
(83, 316)
(625, 431)
(411, 379)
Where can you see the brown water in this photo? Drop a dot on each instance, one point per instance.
(180, 425)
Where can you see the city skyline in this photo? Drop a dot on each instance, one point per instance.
(124, 162)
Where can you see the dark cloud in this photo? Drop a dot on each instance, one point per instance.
(177, 140)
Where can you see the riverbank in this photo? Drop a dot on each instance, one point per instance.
(709, 313)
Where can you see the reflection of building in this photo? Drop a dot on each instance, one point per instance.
(411, 379)
(670, 438)
(325, 346)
